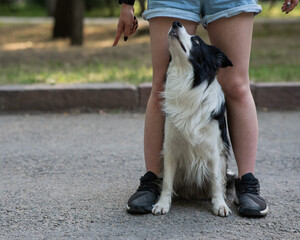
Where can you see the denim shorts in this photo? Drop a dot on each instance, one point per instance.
(200, 11)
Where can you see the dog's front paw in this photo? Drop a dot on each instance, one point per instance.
(222, 210)
(161, 207)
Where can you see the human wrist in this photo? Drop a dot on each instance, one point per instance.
(128, 2)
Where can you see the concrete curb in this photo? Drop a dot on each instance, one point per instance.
(279, 95)
(64, 97)
(122, 96)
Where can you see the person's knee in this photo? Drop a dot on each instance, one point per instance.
(237, 89)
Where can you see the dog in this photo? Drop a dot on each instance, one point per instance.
(196, 145)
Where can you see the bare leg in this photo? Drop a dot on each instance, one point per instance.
(233, 36)
(154, 119)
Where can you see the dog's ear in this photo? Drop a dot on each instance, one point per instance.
(221, 59)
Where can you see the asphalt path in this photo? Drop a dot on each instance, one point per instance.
(69, 176)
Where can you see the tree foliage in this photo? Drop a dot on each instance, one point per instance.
(110, 6)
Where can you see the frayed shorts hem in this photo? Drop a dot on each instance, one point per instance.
(191, 16)
(251, 8)
(171, 12)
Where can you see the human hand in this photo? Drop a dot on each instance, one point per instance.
(289, 5)
(127, 23)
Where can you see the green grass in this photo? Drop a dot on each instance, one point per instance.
(102, 73)
(275, 73)
(275, 55)
(59, 73)
(275, 11)
(109, 72)
(23, 10)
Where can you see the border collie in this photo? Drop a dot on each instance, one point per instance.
(196, 145)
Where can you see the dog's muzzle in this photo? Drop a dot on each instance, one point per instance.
(174, 33)
(174, 29)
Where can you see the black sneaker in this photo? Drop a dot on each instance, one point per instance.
(251, 204)
(146, 195)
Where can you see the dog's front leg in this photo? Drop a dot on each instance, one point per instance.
(220, 207)
(170, 165)
(164, 203)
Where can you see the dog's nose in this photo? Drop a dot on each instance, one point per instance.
(176, 24)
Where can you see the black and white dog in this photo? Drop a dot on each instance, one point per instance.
(196, 145)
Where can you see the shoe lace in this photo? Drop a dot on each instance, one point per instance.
(250, 186)
(149, 185)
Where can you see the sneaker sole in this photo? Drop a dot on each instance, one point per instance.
(251, 212)
(138, 210)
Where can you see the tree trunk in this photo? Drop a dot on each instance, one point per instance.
(69, 20)
(77, 22)
(63, 16)
(50, 7)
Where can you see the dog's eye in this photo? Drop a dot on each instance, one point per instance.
(196, 41)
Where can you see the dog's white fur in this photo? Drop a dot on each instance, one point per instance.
(194, 153)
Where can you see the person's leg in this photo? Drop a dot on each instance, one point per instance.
(154, 119)
(233, 36)
(147, 194)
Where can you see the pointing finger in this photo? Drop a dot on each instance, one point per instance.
(118, 35)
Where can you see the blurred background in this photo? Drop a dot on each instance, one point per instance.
(70, 41)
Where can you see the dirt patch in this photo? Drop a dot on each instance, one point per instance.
(30, 44)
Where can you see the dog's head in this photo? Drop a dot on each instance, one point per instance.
(205, 59)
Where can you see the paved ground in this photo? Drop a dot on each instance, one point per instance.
(68, 176)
